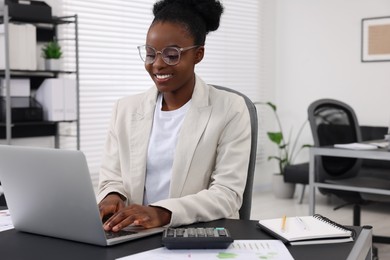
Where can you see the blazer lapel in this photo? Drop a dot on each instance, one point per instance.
(139, 141)
(191, 131)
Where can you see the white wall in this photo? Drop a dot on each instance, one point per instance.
(265, 168)
(318, 46)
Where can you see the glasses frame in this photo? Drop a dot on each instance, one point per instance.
(179, 50)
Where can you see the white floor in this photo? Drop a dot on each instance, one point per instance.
(265, 205)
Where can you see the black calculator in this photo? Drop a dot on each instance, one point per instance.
(197, 238)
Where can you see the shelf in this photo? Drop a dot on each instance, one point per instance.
(54, 21)
(47, 30)
(30, 129)
(36, 73)
(36, 76)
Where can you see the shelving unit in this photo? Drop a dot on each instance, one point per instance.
(46, 31)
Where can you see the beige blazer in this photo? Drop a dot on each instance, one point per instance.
(211, 159)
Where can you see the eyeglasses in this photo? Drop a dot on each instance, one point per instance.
(170, 55)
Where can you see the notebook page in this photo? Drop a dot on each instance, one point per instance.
(311, 228)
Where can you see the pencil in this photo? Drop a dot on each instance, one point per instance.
(284, 223)
(303, 225)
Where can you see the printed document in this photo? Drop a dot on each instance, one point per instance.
(5, 220)
(238, 250)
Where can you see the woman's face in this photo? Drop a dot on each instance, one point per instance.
(172, 78)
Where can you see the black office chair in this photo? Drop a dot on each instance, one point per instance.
(245, 210)
(334, 122)
(297, 173)
(3, 203)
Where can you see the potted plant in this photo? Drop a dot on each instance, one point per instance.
(287, 153)
(52, 53)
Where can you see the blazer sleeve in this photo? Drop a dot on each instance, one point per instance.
(110, 177)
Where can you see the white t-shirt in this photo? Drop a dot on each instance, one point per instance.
(161, 151)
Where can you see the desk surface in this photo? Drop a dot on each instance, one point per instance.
(377, 154)
(20, 245)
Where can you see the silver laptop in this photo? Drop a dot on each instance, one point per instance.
(49, 192)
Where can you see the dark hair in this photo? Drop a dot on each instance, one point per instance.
(198, 16)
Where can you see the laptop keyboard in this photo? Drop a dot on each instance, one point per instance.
(120, 233)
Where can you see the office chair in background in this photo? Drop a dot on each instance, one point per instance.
(2, 198)
(297, 173)
(334, 122)
(245, 210)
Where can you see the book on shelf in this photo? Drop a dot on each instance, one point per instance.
(58, 99)
(22, 46)
(306, 230)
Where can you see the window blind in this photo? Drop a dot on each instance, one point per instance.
(110, 67)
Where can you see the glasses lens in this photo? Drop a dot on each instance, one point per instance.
(171, 55)
(147, 54)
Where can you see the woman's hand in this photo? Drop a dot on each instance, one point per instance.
(146, 216)
(111, 204)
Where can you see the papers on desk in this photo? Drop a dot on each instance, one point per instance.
(5, 220)
(363, 146)
(383, 144)
(239, 249)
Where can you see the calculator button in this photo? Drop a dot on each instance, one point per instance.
(200, 232)
(221, 232)
(191, 232)
(210, 232)
(179, 232)
(170, 232)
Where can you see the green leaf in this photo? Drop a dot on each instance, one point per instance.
(272, 106)
(52, 50)
(274, 158)
(283, 146)
(286, 148)
(275, 137)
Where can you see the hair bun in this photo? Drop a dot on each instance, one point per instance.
(209, 10)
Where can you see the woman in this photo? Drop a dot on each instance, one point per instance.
(178, 153)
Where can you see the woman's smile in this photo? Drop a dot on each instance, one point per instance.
(163, 77)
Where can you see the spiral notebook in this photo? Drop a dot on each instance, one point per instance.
(307, 230)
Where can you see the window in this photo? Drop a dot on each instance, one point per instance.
(110, 67)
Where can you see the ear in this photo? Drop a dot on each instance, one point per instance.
(199, 54)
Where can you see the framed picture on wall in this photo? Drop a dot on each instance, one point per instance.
(376, 39)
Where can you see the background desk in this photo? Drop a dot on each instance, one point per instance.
(379, 154)
(19, 245)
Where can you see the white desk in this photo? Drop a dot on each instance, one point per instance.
(379, 154)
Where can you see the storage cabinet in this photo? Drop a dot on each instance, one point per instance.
(45, 31)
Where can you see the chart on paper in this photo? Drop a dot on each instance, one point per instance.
(5, 220)
(238, 250)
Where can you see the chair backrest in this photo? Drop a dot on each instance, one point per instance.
(334, 122)
(2, 198)
(245, 210)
